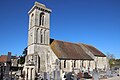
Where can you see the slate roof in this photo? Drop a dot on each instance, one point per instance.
(94, 50)
(68, 50)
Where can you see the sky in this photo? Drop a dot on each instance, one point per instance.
(94, 22)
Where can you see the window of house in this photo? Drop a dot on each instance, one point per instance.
(89, 63)
(102, 59)
(97, 59)
(75, 63)
(64, 63)
(60, 64)
(82, 64)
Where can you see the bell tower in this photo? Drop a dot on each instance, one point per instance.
(39, 27)
(38, 40)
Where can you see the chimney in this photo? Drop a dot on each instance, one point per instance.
(9, 57)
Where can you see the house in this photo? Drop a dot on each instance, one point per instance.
(13, 60)
(100, 59)
(51, 59)
(8, 65)
(3, 59)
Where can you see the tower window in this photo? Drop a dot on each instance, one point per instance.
(41, 38)
(37, 34)
(38, 63)
(31, 21)
(42, 19)
(45, 36)
(32, 15)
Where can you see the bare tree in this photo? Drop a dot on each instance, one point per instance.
(110, 56)
(111, 59)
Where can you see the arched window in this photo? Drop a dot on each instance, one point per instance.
(37, 34)
(31, 73)
(41, 36)
(38, 63)
(31, 21)
(82, 63)
(45, 38)
(27, 74)
(89, 63)
(75, 63)
(60, 64)
(42, 19)
(64, 63)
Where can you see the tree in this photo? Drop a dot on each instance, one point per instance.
(22, 58)
(110, 56)
(111, 59)
(25, 52)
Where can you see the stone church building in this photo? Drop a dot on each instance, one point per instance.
(49, 58)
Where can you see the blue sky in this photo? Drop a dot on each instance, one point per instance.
(94, 22)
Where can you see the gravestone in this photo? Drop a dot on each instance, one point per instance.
(56, 75)
(47, 76)
(108, 73)
(95, 75)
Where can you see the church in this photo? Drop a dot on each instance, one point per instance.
(50, 59)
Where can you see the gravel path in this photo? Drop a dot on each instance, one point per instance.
(113, 78)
